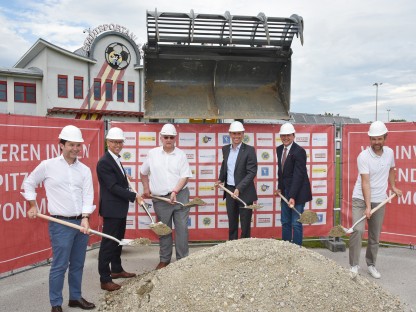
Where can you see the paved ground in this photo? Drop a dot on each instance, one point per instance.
(28, 291)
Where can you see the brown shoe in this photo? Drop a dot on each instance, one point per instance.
(56, 309)
(122, 274)
(162, 265)
(110, 286)
(81, 303)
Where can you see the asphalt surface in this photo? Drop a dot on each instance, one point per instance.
(28, 291)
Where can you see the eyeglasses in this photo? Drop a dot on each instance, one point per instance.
(116, 142)
(169, 137)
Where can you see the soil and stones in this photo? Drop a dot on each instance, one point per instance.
(251, 275)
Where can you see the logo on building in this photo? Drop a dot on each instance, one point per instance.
(117, 56)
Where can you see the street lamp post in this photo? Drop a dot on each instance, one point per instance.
(377, 84)
(388, 114)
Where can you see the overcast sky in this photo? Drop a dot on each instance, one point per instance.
(349, 45)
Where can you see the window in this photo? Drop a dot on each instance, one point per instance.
(3, 91)
(62, 86)
(97, 89)
(120, 91)
(108, 90)
(78, 87)
(130, 92)
(25, 92)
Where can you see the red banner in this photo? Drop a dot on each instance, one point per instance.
(24, 142)
(401, 212)
(202, 145)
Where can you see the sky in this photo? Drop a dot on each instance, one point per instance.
(348, 45)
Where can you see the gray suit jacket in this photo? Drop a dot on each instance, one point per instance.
(244, 173)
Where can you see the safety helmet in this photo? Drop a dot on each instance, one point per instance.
(287, 128)
(71, 133)
(115, 134)
(377, 128)
(236, 126)
(168, 129)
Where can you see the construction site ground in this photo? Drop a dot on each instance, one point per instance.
(28, 290)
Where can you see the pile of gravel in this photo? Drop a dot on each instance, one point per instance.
(251, 275)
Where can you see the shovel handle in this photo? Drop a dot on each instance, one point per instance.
(167, 200)
(142, 204)
(75, 226)
(161, 198)
(374, 209)
(232, 194)
(287, 202)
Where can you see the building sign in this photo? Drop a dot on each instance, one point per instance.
(92, 34)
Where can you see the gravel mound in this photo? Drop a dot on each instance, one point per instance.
(251, 275)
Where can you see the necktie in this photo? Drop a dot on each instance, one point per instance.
(284, 157)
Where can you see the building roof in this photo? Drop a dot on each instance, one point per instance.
(32, 72)
(41, 44)
(300, 118)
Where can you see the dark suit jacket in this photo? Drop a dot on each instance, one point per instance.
(293, 181)
(244, 173)
(114, 189)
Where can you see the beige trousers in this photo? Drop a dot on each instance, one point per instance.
(374, 229)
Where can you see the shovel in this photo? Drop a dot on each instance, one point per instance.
(339, 230)
(194, 202)
(307, 217)
(254, 206)
(159, 228)
(123, 242)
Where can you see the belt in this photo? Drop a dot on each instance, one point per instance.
(168, 194)
(68, 218)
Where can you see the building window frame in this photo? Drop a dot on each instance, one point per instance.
(97, 89)
(108, 90)
(130, 92)
(120, 91)
(28, 92)
(62, 86)
(3, 91)
(78, 87)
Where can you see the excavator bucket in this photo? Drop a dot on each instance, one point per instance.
(218, 66)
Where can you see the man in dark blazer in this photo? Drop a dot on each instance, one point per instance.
(238, 170)
(293, 183)
(115, 196)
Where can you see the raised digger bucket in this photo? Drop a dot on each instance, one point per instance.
(218, 66)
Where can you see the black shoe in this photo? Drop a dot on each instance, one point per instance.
(81, 303)
(56, 309)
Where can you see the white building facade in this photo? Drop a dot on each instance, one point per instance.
(102, 80)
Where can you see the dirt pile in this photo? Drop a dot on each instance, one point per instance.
(251, 275)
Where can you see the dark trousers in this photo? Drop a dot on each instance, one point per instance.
(235, 213)
(110, 251)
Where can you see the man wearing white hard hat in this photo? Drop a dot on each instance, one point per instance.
(165, 172)
(115, 196)
(376, 168)
(70, 193)
(293, 183)
(238, 170)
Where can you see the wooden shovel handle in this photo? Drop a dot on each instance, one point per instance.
(232, 194)
(287, 202)
(374, 209)
(161, 198)
(75, 226)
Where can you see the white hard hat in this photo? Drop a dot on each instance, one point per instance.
(236, 126)
(71, 133)
(168, 129)
(287, 128)
(115, 134)
(377, 128)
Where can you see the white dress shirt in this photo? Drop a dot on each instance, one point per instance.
(165, 169)
(118, 161)
(69, 188)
